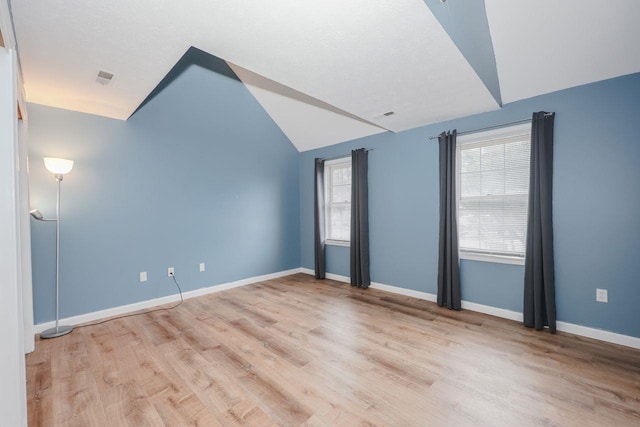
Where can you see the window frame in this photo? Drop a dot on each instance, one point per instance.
(478, 138)
(328, 179)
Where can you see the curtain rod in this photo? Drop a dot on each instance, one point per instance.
(515, 122)
(345, 155)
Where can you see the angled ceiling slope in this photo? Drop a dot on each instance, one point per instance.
(307, 122)
(331, 64)
(547, 45)
(467, 25)
(359, 57)
(192, 56)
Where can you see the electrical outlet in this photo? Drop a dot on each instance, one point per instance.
(601, 295)
(170, 272)
(143, 276)
(202, 266)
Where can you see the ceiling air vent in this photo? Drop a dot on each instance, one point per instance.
(381, 116)
(104, 78)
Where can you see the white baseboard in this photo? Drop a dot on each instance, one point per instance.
(375, 285)
(493, 311)
(599, 334)
(124, 309)
(585, 331)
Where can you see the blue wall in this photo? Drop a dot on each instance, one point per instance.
(200, 174)
(596, 207)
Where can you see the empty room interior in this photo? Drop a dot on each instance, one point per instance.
(330, 213)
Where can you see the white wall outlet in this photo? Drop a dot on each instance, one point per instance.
(143, 276)
(601, 295)
(170, 271)
(202, 266)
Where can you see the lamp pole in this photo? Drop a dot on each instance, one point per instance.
(58, 179)
(58, 167)
(58, 330)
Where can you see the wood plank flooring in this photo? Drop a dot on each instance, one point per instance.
(299, 352)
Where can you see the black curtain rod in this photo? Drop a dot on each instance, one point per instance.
(515, 122)
(346, 155)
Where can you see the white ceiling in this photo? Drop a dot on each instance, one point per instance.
(309, 122)
(547, 45)
(325, 71)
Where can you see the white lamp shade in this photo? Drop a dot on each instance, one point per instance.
(58, 166)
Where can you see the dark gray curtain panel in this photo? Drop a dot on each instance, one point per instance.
(448, 263)
(318, 217)
(539, 287)
(360, 219)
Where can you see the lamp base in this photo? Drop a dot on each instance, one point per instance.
(55, 333)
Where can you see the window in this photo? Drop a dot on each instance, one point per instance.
(493, 189)
(337, 184)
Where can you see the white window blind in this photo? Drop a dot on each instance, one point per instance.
(337, 175)
(493, 189)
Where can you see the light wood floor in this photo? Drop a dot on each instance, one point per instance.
(295, 351)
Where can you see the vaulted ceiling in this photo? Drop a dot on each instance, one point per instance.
(328, 71)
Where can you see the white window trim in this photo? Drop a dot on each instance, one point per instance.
(328, 163)
(332, 242)
(476, 137)
(486, 257)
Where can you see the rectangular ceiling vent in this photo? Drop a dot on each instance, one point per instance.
(384, 115)
(104, 78)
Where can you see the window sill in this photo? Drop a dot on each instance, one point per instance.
(337, 243)
(500, 259)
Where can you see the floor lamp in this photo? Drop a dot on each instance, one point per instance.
(59, 167)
